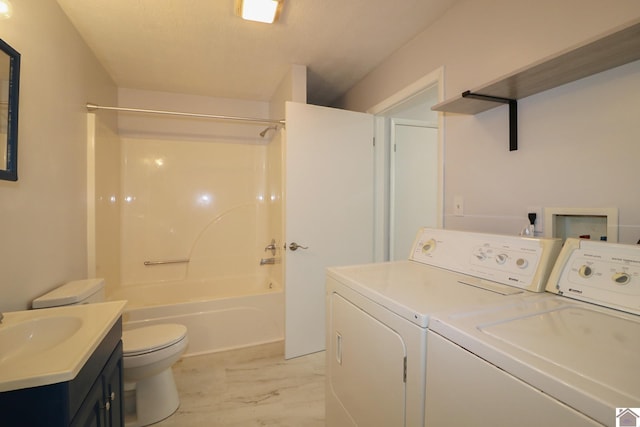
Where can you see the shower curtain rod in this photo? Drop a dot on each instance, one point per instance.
(92, 107)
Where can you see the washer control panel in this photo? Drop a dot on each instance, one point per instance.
(511, 260)
(604, 273)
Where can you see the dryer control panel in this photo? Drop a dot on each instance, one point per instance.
(516, 261)
(603, 273)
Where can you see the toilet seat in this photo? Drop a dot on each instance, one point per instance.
(148, 339)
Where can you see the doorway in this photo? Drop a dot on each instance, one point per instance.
(409, 183)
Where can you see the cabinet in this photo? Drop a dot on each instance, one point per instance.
(94, 397)
(103, 405)
(617, 47)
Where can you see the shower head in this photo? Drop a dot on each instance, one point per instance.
(264, 132)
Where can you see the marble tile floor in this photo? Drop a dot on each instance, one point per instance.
(249, 387)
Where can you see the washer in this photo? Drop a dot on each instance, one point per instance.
(377, 317)
(567, 358)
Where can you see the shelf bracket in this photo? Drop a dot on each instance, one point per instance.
(513, 114)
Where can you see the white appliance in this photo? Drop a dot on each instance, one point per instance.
(377, 317)
(570, 359)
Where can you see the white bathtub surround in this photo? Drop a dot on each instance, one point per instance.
(250, 387)
(205, 202)
(219, 314)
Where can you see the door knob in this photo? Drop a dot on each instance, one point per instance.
(294, 246)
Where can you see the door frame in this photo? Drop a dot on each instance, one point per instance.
(382, 111)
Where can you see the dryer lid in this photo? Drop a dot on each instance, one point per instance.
(151, 338)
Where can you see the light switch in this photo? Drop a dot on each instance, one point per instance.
(458, 206)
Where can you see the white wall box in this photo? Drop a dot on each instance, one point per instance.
(597, 223)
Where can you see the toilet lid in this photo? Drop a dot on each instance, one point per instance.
(151, 338)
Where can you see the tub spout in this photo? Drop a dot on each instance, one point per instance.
(271, 247)
(267, 261)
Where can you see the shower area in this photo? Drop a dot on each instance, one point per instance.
(185, 223)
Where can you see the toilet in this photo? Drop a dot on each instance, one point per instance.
(148, 354)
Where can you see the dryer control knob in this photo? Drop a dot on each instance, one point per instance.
(585, 271)
(621, 278)
(522, 263)
(428, 246)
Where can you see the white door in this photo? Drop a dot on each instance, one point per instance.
(328, 170)
(414, 183)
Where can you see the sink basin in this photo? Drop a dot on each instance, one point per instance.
(36, 335)
(51, 345)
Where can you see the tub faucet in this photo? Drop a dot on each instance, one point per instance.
(271, 247)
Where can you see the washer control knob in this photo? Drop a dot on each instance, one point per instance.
(585, 271)
(501, 258)
(621, 278)
(428, 246)
(522, 263)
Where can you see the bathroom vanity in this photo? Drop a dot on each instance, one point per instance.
(92, 396)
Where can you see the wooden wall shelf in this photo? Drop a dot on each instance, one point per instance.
(617, 47)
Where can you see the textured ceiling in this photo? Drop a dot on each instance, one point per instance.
(200, 47)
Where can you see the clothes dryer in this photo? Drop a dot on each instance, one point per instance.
(567, 358)
(378, 314)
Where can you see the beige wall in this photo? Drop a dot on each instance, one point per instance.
(479, 40)
(293, 87)
(43, 214)
(578, 144)
(105, 204)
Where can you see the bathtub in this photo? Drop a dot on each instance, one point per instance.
(220, 314)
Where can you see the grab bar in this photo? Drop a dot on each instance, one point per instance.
(171, 261)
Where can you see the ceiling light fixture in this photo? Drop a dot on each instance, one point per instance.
(266, 11)
(6, 10)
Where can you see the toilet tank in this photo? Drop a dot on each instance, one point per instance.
(77, 292)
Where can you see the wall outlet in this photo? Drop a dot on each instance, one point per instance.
(539, 219)
(458, 206)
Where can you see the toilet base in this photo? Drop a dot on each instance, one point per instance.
(150, 400)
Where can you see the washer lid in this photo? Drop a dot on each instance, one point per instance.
(582, 354)
(150, 338)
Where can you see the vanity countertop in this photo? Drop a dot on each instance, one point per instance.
(51, 345)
